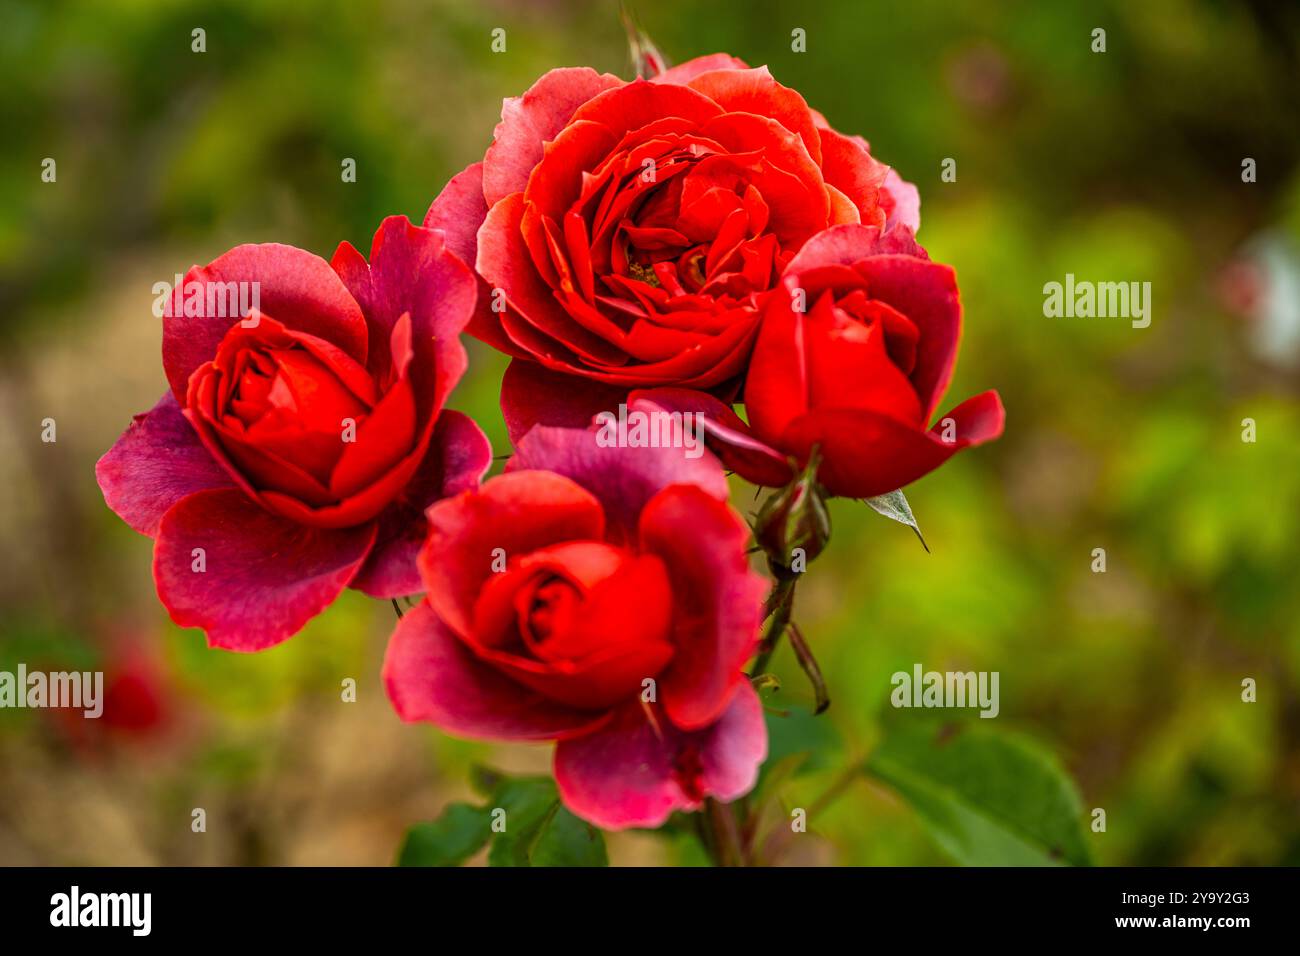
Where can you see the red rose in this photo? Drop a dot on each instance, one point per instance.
(607, 603)
(633, 229)
(302, 438)
(855, 351)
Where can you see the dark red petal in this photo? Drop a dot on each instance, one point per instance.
(729, 437)
(158, 461)
(717, 601)
(430, 675)
(622, 479)
(534, 395)
(296, 288)
(265, 577)
(925, 292)
(632, 773)
(457, 459)
(866, 453)
(516, 513)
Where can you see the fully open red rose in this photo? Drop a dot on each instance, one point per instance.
(855, 351)
(628, 232)
(302, 439)
(605, 602)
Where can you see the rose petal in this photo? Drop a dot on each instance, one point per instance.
(431, 676)
(623, 479)
(298, 289)
(511, 515)
(458, 457)
(866, 453)
(264, 576)
(631, 773)
(158, 461)
(530, 120)
(717, 600)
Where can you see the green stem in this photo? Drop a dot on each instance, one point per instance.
(779, 607)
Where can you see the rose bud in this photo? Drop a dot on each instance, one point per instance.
(626, 233)
(599, 597)
(303, 434)
(794, 523)
(855, 351)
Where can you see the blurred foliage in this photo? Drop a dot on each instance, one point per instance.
(1122, 166)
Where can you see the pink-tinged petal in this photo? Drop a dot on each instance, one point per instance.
(534, 395)
(622, 479)
(530, 120)
(296, 288)
(841, 245)
(925, 292)
(264, 577)
(632, 773)
(683, 73)
(866, 453)
(848, 244)
(431, 676)
(728, 437)
(903, 205)
(158, 461)
(717, 601)
(459, 211)
(458, 457)
(849, 167)
(412, 272)
(510, 516)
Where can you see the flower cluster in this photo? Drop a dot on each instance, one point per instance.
(674, 245)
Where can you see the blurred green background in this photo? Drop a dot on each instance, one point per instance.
(1116, 166)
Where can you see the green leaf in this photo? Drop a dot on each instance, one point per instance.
(987, 798)
(450, 840)
(564, 840)
(530, 804)
(894, 505)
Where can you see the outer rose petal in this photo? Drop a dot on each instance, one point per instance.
(265, 577)
(533, 395)
(728, 437)
(685, 72)
(158, 461)
(925, 292)
(456, 461)
(867, 454)
(623, 480)
(430, 675)
(717, 601)
(411, 271)
(296, 288)
(905, 200)
(628, 775)
(516, 513)
(530, 120)
(458, 211)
